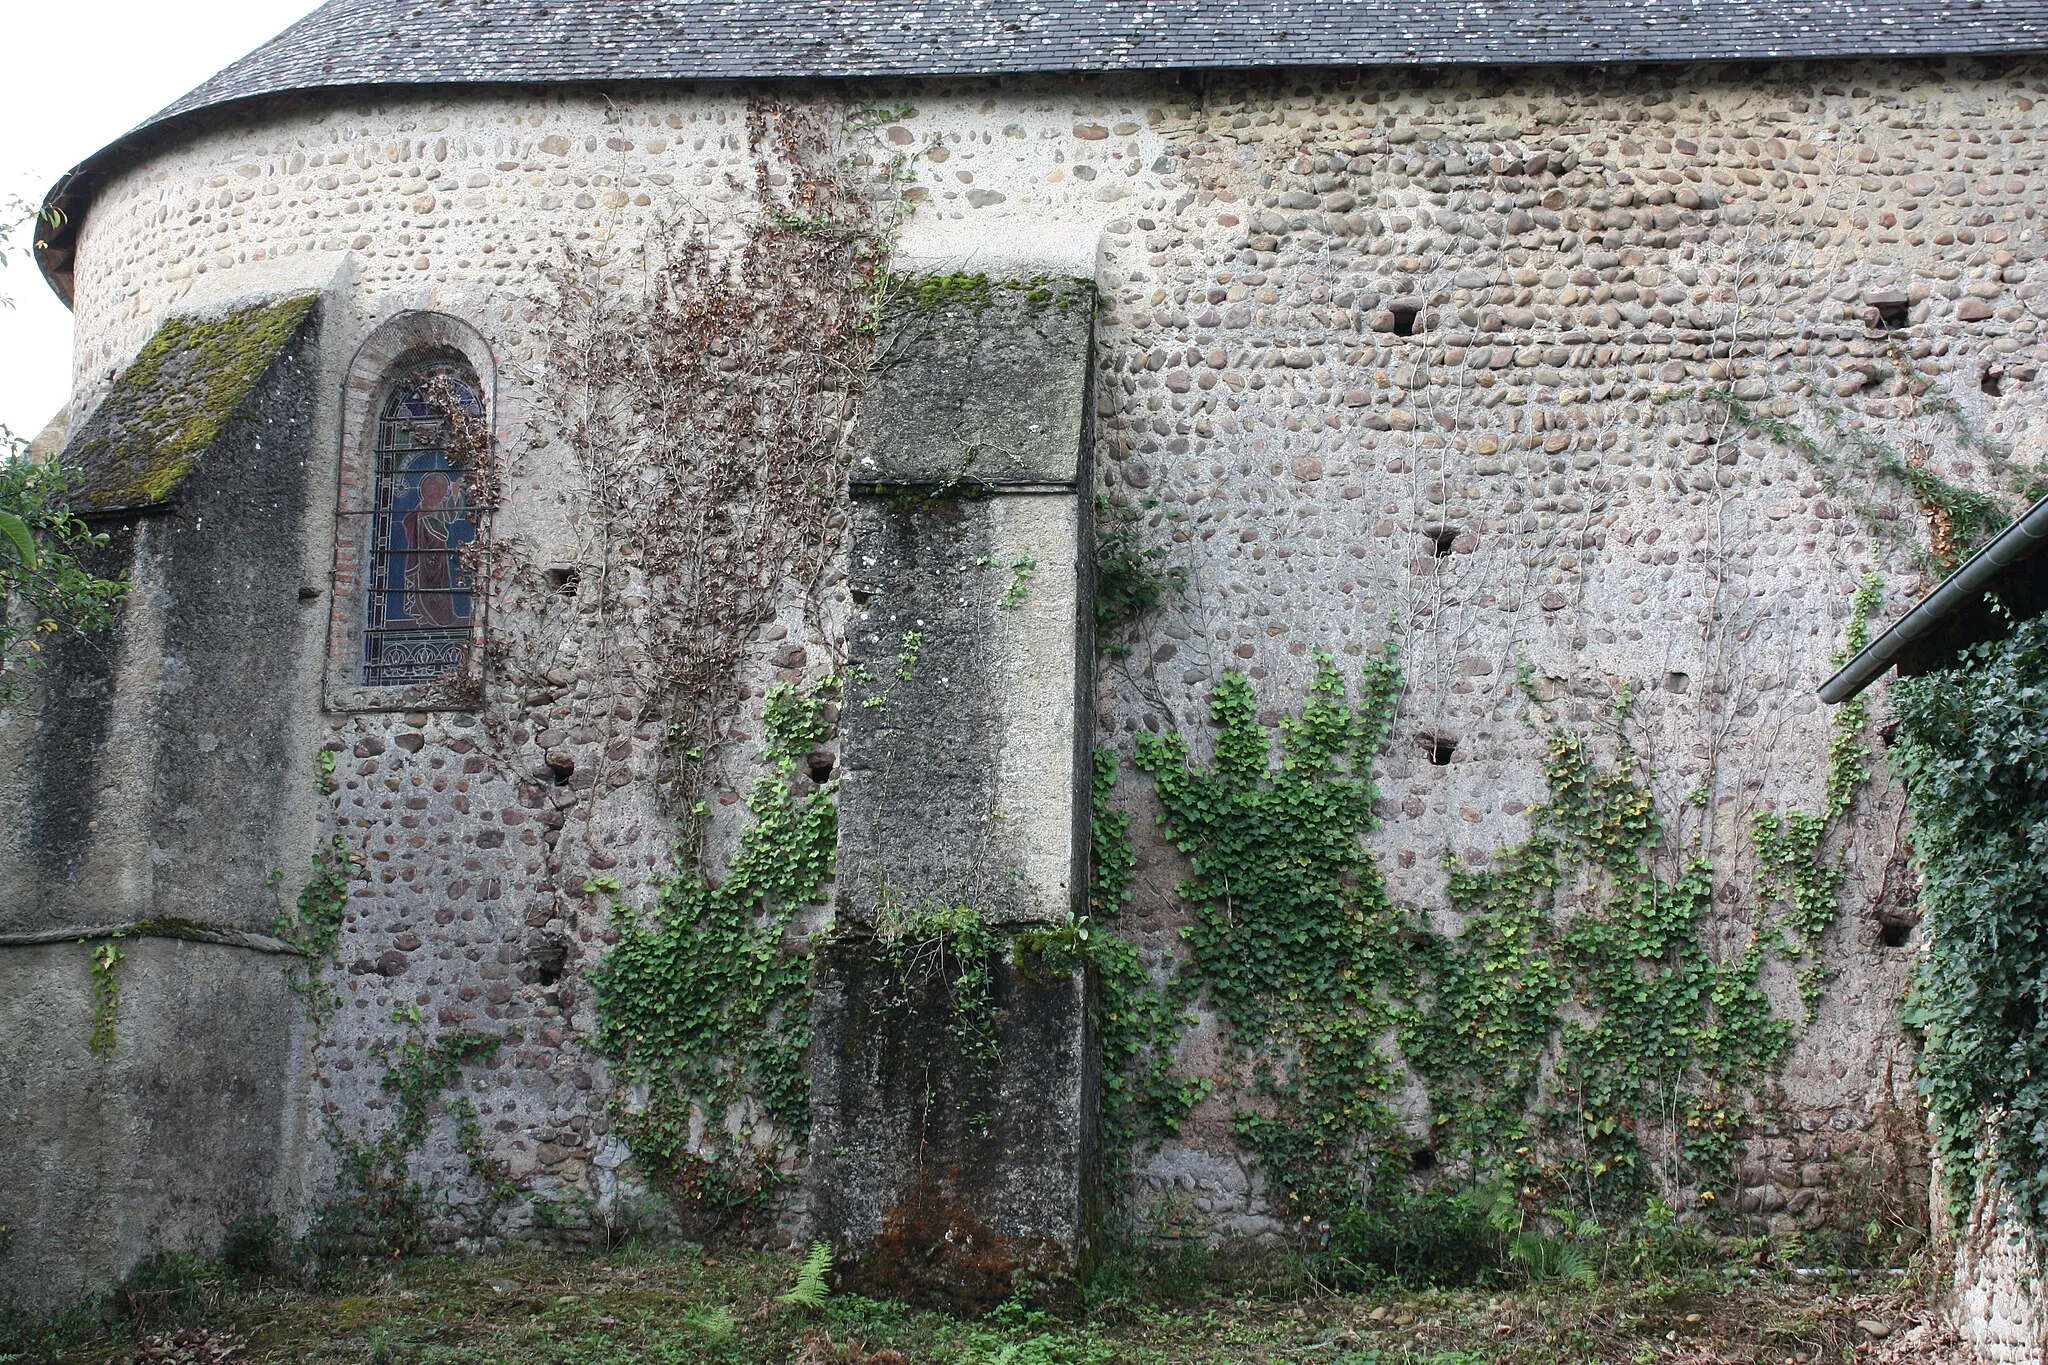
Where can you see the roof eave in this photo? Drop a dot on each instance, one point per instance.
(1961, 589)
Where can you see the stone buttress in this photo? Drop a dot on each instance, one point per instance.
(154, 790)
(966, 714)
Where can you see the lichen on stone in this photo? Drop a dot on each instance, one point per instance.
(173, 401)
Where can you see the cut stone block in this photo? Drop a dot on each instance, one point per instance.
(963, 783)
(979, 382)
(964, 731)
(944, 1185)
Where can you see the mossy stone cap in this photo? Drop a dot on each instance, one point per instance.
(171, 403)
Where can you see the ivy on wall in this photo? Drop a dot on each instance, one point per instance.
(1579, 1043)
(1136, 1021)
(1655, 1039)
(1130, 576)
(380, 1206)
(1972, 749)
(954, 948)
(1293, 936)
(1959, 518)
(106, 998)
(1793, 867)
(313, 926)
(704, 1006)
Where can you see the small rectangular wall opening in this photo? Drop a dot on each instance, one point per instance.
(1889, 309)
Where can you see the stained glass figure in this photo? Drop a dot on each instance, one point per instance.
(422, 598)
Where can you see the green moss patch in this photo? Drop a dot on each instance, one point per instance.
(173, 401)
(978, 293)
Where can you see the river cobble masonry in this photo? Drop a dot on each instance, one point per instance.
(1598, 390)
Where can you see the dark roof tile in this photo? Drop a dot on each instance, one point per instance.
(431, 42)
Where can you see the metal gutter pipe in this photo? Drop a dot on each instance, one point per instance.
(1960, 588)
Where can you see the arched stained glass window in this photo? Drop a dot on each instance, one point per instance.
(422, 599)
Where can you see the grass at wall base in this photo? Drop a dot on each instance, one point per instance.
(678, 1305)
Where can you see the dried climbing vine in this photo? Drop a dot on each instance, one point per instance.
(706, 405)
(704, 385)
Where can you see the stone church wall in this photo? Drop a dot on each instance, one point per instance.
(2000, 1306)
(1410, 347)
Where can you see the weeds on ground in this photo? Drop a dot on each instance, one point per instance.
(1174, 1303)
(169, 1290)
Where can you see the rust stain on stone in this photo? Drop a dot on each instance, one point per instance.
(934, 1252)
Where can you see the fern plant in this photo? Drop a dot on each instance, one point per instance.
(1552, 1258)
(810, 1290)
(715, 1325)
(1542, 1255)
(1561, 1256)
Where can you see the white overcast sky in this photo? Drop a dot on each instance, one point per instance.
(79, 73)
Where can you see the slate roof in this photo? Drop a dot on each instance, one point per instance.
(408, 42)
(370, 43)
